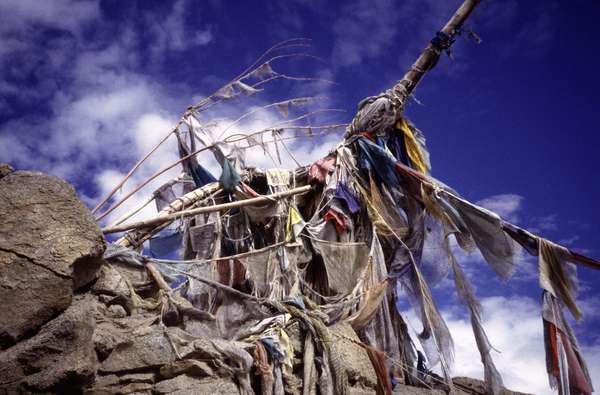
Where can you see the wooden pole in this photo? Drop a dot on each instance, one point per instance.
(134, 239)
(208, 209)
(431, 54)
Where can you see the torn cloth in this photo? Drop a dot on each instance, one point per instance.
(343, 193)
(319, 170)
(344, 263)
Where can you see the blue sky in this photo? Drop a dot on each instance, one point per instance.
(88, 86)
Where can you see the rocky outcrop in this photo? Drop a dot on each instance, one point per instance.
(50, 246)
(59, 359)
(74, 323)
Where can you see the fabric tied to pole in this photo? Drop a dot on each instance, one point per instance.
(344, 194)
(199, 174)
(344, 263)
(497, 248)
(167, 243)
(378, 162)
(565, 366)
(230, 178)
(295, 224)
(278, 178)
(319, 170)
(414, 148)
(558, 276)
(163, 196)
(201, 239)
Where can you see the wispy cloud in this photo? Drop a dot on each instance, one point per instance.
(363, 30)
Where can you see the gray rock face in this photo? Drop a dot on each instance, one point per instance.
(150, 349)
(192, 386)
(49, 246)
(59, 358)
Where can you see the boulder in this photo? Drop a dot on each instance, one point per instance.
(191, 367)
(401, 389)
(60, 358)
(146, 349)
(187, 385)
(467, 385)
(50, 246)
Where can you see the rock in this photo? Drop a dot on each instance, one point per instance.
(128, 384)
(110, 282)
(50, 246)
(186, 385)
(142, 351)
(110, 332)
(117, 311)
(401, 389)
(137, 378)
(5, 169)
(59, 358)
(190, 367)
(355, 359)
(466, 385)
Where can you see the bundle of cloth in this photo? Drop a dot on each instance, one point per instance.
(353, 248)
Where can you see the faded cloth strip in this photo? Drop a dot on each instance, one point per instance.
(370, 306)
(319, 170)
(295, 224)
(344, 194)
(566, 367)
(278, 177)
(344, 263)
(385, 226)
(493, 380)
(413, 148)
(163, 196)
(261, 268)
(384, 384)
(263, 369)
(201, 239)
(558, 276)
(258, 214)
(486, 229)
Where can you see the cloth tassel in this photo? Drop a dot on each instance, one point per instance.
(370, 307)
(384, 384)
(263, 369)
(492, 378)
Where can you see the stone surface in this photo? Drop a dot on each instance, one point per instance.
(475, 386)
(355, 359)
(49, 246)
(145, 350)
(60, 358)
(187, 385)
(191, 367)
(401, 389)
(5, 169)
(117, 311)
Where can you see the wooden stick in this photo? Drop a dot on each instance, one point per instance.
(158, 278)
(208, 209)
(143, 184)
(189, 199)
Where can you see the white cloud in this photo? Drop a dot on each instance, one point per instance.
(514, 327)
(60, 14)
(506, 206)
